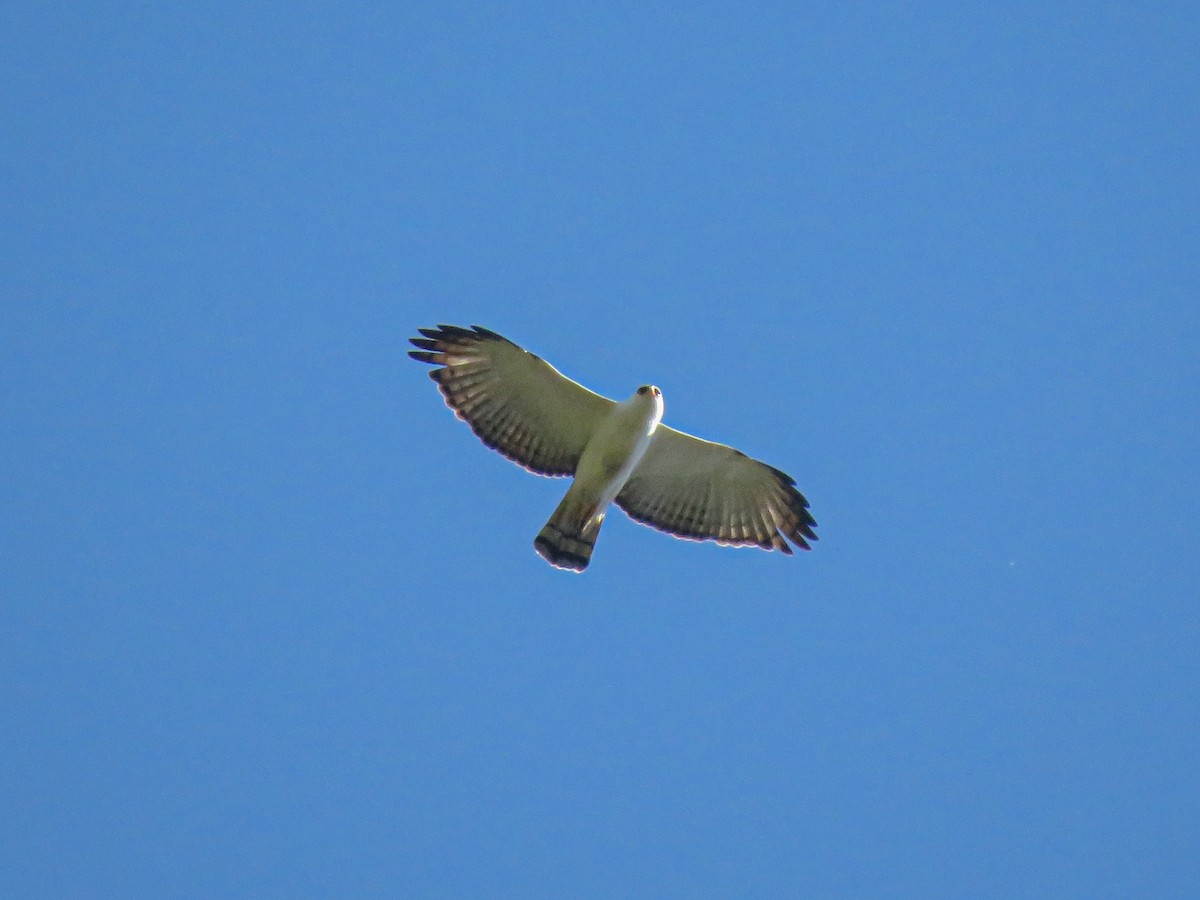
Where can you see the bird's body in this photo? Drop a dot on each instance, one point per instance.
(618, 445)
(521, 406)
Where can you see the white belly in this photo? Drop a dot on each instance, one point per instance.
(614, 451)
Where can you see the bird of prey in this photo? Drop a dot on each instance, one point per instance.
(520, 405)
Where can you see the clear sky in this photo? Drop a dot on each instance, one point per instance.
(272, 623)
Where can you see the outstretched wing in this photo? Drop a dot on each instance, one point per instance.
(699, 490)
(515, 402)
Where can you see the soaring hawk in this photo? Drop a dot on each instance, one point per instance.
(520, 405)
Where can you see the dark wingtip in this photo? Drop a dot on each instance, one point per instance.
(449, 332)
(801, 534)
(802, 530)
(424, 356)
(784, 478)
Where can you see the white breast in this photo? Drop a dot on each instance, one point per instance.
(617, 446)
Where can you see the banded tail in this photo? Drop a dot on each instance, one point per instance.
(567, 540)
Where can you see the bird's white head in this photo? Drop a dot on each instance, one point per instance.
(652, 398)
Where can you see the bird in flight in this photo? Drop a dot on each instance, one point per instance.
(520, 405)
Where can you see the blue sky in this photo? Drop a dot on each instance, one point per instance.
(272, 621)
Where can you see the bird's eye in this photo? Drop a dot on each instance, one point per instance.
(642, 389)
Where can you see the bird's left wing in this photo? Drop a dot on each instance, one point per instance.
(700, 490)
(517, 403)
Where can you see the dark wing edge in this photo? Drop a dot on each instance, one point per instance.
(799, 526)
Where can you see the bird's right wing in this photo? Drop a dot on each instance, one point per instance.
(700, 490)
(516, 402)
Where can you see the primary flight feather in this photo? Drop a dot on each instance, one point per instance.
(520, 405)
